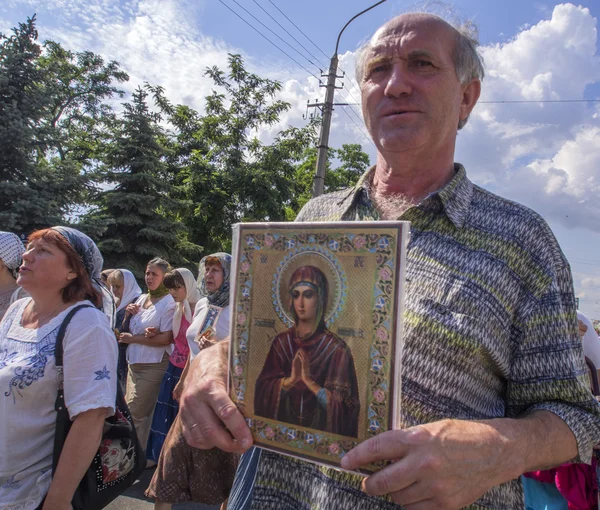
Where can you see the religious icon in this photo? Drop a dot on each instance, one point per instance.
(308, 378)
(316, 337)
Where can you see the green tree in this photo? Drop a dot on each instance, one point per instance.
(52, 121)
(351, 161)
(134, 218)
(220, 165)
(22, 103)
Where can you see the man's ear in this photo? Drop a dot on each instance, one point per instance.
(470, 95)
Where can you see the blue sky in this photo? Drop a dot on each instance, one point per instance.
(546, 156)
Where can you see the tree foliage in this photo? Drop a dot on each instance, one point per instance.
(134, 216)
(157, 178)
(52, 113)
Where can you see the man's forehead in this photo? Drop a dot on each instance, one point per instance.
(424, 30)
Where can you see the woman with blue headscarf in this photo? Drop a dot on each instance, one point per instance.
(60, 270)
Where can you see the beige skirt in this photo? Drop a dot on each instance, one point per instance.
(185, 473)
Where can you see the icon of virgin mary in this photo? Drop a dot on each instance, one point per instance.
(308, 378)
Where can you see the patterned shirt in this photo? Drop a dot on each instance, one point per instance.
(490, 331)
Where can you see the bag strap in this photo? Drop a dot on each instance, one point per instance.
(58, 349)
(63, 422)
(58, 353)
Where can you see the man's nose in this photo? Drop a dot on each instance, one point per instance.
(398, 82)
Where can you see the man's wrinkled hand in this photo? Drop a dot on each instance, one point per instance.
(447, 464)
(209, 417)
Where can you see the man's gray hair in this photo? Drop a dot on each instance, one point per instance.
(468, 63)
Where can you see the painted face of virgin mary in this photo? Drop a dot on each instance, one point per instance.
(305, 301)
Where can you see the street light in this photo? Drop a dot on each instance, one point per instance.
(319, 180)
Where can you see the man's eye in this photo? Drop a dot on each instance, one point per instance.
(422, 63)
(379, 68)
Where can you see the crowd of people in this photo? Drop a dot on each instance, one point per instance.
(142, 341)
(493, 372)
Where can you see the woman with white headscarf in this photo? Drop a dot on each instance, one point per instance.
(182, 286)
(126, 290)
(60, 271)
(185, 473)
(11, 250)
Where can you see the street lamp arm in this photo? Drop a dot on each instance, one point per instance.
(351, 20)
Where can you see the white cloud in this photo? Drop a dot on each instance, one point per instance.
(546, 155)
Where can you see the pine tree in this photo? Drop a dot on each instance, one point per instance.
(134, 215)
(52, 120)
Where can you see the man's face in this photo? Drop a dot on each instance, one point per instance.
(411, 96)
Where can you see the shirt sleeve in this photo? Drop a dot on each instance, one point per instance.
(90, 363)
(548, 370)
(166, 319)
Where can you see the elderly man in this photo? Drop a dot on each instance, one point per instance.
(493, 379)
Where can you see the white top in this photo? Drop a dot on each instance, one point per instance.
(221, 325)
(159, 315)
(591, 342)
(28, 384)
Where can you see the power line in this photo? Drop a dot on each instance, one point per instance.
(297, 28)
(345, 74)
(360, 129)
(288, 33)
(516, 102)
(508, 101)
(275, 34)
(263, 35)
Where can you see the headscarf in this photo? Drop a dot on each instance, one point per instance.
(131, 289)
(192, 296)
(221, 296)
(313, 277)
(11, 250)
(92, 261)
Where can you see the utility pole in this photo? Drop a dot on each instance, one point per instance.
(322, 148)
(319, 179)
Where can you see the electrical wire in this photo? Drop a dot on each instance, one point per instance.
(275, 34)
(263, 35)
(288, 33)
(367, 137)
(297, 28)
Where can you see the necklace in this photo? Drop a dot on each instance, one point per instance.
(44, 317)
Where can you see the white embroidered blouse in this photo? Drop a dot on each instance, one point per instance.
(28, 384)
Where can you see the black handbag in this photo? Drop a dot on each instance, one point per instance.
(120, 459)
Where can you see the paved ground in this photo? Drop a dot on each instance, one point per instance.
(134, 499)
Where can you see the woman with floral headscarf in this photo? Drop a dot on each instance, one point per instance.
(184, 290)
(11, 250)
(60, 270)
(185, 473)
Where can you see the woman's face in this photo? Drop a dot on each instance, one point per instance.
(44, 264)
(213, 278)
(178, 294)
(305, 303)
(117, 288)
(154, 277)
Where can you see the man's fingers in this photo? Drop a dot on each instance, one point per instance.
(206, 431)
(396, 477)
(387, 446)
(231, 417)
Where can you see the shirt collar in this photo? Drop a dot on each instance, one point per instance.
(454, 196)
